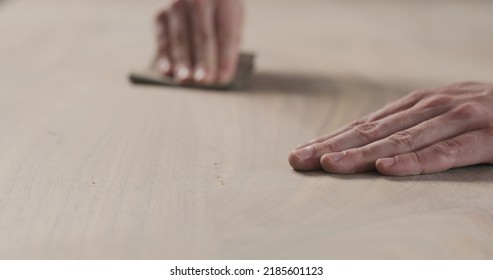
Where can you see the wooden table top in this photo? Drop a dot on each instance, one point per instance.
(94, 167)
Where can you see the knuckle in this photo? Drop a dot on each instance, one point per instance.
(366, 152)
(368, 131)
(419, 94)
(468, 110)
(418, 160)
(201, 35)
(402, 139)
(179, 40)
(488, 91)
(356, 123)
(463, 84)
(435, 101)
(448, 149)
(461, 88)
(326, 146)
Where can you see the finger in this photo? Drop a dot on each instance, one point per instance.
(394, 107)
(180, 47)
(466, 149)
(308, 158)
(204, 41)
(163, 62)
(229, 18)
(450, 124)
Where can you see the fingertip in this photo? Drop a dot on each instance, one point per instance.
(182, 74)
(384, 166)
(293, 160)
(298, 163)
(325, 163)
(329, 162)
(393, 166)
(387, 162)
(199, 75)
(164, 66)
(202, 75)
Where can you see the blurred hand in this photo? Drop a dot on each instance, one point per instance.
(425, 132)
(198, 40)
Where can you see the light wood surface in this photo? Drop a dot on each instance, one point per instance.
(93, 167)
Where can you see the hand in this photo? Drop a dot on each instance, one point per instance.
(425, 132)
(198, 40)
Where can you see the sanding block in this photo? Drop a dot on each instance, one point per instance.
(152, 76)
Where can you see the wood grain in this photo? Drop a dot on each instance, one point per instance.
(93, 167)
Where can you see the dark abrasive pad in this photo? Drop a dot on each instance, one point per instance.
(152, 76)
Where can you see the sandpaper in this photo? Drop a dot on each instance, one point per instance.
(151, 76)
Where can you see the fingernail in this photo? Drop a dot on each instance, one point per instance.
(335, 157)
(305, 153)
(183, 73)
(199, 74)
(163, 65)
(387, 162)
